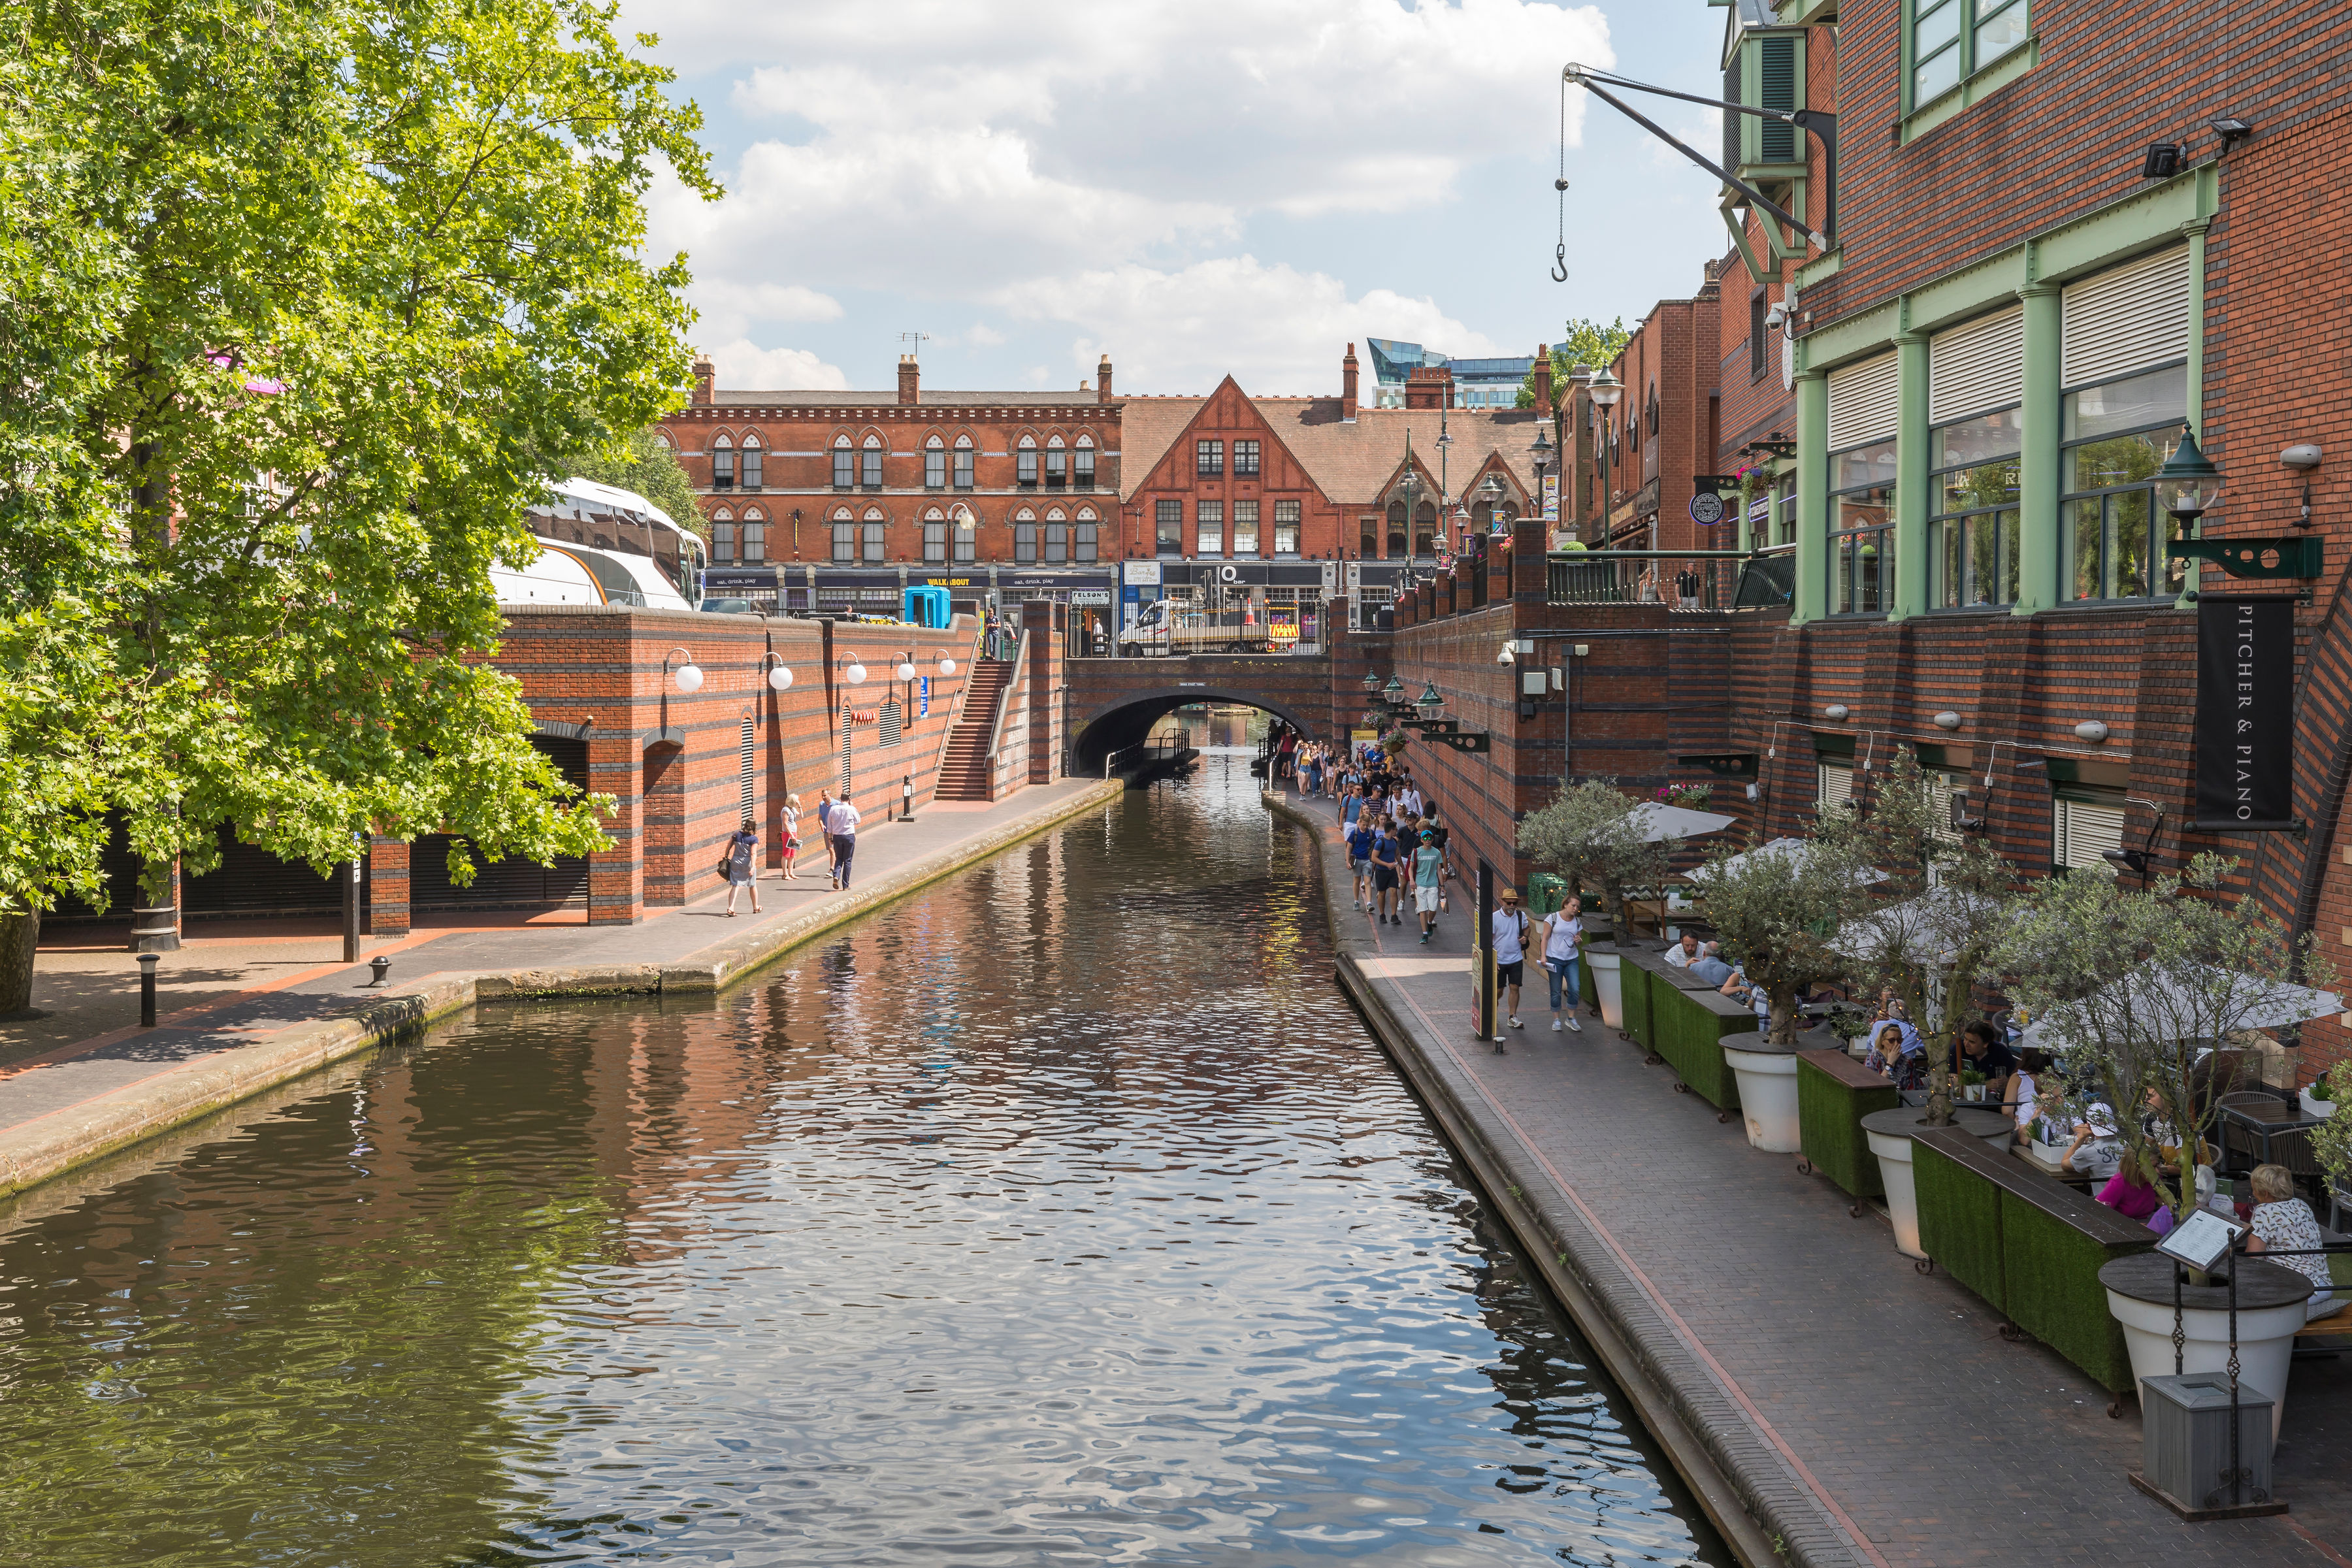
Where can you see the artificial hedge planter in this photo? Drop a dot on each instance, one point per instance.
(2030, 1245)
(1689, 1019)
(1639, 977)
(1834, 1092)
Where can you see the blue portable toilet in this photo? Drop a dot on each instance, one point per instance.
(926, 607)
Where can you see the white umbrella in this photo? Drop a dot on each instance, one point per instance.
(1931, 916)
(2187, 1006)
(1657, 822)
(1795, 849)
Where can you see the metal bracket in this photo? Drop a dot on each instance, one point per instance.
(2300, 555)
(1462, 741)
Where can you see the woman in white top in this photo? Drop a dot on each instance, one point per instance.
(1563, 938)
(2019, 1100)
(791, 833)
(2284, 1223)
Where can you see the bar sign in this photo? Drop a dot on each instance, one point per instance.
(2245, 713)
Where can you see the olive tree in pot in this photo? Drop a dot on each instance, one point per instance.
(1589, 835)
(2141, 982)
(1775, 909)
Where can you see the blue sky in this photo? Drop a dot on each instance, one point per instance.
(1196, 186)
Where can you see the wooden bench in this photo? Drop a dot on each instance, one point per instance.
(2335, 1333)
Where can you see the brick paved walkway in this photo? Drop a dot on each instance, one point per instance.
(1877, 1412)
(245, 991)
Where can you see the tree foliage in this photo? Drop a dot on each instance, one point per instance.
(290, 297)
(1779, 912)
(2143, 980)
(1588, 834)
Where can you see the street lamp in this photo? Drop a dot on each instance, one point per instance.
(1492, 493)
(1542, 452)
(1394, 692)
(1410, 487)
(1372, 682)
(1432, 702)
(2188, 484)
(1605, 390)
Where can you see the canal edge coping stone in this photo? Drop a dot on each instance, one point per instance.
(50, 1145)
(1748, 1492)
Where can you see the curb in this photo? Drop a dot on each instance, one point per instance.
(1754, 1504)
(53, 1144)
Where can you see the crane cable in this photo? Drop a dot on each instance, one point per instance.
(1559, 252)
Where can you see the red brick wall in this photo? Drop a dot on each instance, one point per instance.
(1228, 416)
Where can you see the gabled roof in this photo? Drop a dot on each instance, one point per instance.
(1147, 427)
(1352, 464)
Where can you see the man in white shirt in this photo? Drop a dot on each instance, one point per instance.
(840, 831)
(2097, 1150)
(1409, 803)
(1682, 953)
(1510, 940)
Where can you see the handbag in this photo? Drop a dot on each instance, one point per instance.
(721, 872)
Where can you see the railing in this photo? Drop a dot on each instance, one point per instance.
(1693, 581)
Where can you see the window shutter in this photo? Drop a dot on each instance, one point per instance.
(1833, 784)
(2125, 319)
(2085, 832)
(1776, 60)
(1976, 367)
(1864, 404)
(748, 775)
(1732, 123)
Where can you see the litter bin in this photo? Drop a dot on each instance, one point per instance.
(2185, 1440)
(1546, 893)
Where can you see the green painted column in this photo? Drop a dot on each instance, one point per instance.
(1811, 596)
(2193, 577)
(2039, 585)
(1910, 476)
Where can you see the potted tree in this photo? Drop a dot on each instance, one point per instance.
(1777, 911)
(2139, 987)
(1588, 834)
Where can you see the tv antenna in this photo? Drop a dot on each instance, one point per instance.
(918, 339)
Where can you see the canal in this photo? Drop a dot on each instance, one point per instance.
(1062, 1214)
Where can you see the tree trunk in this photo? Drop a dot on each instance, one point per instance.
(1780, 1030)
(20, 937)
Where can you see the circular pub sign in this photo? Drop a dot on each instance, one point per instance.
(1706, 508)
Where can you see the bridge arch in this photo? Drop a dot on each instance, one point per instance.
(1124, 720)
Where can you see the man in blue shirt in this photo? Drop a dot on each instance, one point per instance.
(1361, 838)
(1386, 864)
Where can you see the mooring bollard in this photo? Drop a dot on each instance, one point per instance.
(147, 962)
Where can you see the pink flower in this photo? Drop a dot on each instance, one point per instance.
(268, 386)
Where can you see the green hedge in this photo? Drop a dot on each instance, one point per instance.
(1689, 1029)
(1960, 1216)
(1829, 1119)
(1634, 983)
(2054, 1292)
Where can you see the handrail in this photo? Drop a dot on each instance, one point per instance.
(996, 720)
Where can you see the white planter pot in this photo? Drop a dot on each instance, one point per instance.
(2265, 1344)
(1902, 1198)
(1768, 1098)
(1607, 983)
(2313, 1106)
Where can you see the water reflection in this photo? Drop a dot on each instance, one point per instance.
(1062, 1214)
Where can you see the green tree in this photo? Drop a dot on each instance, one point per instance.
(1778, 911)
(292, 296)
(1589, 835)
(1588, 343)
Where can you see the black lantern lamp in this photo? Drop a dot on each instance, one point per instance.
(2188, 484)
(1431, 701)
(1372, 682)
(1394, 692)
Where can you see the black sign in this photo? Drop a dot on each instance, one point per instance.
(2245, 712)
(720, 581)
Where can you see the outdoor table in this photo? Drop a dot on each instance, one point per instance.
(2262, 1120)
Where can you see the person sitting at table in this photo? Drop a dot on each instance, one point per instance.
(2133, 1198)
(2021, 1099)
(1898, 1054)
(2284, 1223)
(1709, 967)
(2097, 1150)
(1983, 1050)
(1679, 954)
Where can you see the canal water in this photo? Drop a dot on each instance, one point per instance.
(1062, 1214)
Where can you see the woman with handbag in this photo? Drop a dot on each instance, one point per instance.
(737, 867)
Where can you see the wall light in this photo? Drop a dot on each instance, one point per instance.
(2091, 730)
(856, 674)
(778, 676)
(946, 665)
(906, 670)
(688, 674)
(1948, 720)
(1837, 710)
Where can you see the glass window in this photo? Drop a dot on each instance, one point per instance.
(750, 468)
(1862, 530)
(1088, 543)
(1211, 532)
(722, 541)
(2115, 436)
(870, 470)
(1084, 478)
(845, 543)
(1058, 468)
(1245, 457)
(935, 542)
(2000, 28)
(844, 466)
(1028, 466)
(1951, 39)
(1057, 541)
(967, 539)
(1286, 528)
(1167, 526)
(963, 468)
(875, 545)
(1025, 541)
(935, 467)
(755, 542)
(1972, 527)
(1244, 523)
(722, 467)
(1208, 456)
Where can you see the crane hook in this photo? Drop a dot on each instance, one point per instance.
(1559, 263)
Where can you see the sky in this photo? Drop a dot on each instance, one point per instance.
(1196, 187)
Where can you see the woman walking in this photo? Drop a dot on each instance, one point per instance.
(792, 835)
(740, 874)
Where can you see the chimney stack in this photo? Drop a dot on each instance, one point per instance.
(911, 380)
(1543, 378)
(1348, 386)
(703, 373)
(1102, 379)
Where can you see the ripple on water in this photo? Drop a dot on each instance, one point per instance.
(1062, 1214)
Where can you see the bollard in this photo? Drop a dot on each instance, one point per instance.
(147, 962)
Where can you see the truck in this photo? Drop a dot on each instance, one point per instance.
(1178, 626)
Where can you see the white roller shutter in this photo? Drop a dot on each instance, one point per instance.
(2125, 319)
(1833, 784)
(2085, 833)
(1865, 403)
(1976, 367)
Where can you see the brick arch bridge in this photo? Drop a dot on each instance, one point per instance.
(1114, 702)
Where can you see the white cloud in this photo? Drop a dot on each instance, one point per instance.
(983, 335)
(744, 364)
(1277, 330)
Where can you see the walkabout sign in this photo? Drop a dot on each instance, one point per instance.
(2245, 712)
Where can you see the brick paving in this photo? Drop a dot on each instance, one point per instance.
(242, 991)
(1871, 1413)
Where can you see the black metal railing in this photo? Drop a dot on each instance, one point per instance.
(1700, 582)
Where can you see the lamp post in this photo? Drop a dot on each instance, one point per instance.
(1542, 452)
(1492, 493)
(2187, 486)
(1605, 390)
(1410, 487)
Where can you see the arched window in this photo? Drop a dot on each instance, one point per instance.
(877, 545)
(844, 537)
(935, 463)
(755, 536)
(661, 439)
(722, 462)
(1026, 458)
(845, 463)
(722, 536)
(1058, 465)
(1082, 474)
(1024, 536)
(965, 535)
(935, 536)
(1653, 414)
(1057, 536)
(1087, 544)
(1367, 536)
(751, 455)
(964, 454)
(1425, 529)
(869, 470)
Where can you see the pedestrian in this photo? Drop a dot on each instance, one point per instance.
(1386, 864)
(1510, 940)
(842, 829)
(824, 831)
(1428, 869)
(1563, 937)
(792, 835)
(1361, 838)
(741, 847)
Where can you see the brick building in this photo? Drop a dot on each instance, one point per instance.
(1662, 432)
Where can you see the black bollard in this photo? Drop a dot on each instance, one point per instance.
(147, 962)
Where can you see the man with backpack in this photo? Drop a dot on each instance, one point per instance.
(1510, 940)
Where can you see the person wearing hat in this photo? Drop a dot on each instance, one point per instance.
(2097, 1150)
(1511, 938)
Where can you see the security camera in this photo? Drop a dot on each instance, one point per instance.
(1776, 317)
